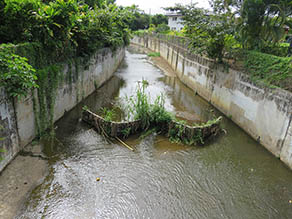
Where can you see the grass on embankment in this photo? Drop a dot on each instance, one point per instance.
(269, 70)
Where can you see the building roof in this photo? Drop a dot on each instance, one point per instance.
(172, 14)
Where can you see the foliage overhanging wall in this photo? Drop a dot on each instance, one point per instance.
(74, 80)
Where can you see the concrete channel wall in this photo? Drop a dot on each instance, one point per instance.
(264, 113)
(17, 117)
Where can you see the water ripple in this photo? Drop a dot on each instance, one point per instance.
(159, 180)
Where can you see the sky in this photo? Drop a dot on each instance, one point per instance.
(155, 6)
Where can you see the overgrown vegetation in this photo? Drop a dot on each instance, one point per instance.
(177, 134)
(268, 69)
(17, 76)
(48, 80)
(64, 27)
(37, 36)
(140, 106)
(108, 114)
(1, 151)
(151, 114)
(209, 32)
(153, 117)
(142, 20)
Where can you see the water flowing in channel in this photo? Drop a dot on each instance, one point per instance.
(231, 177)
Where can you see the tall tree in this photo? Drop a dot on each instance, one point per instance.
(209, 33)
(140, 20)
(98, 3)
(159, 19)
(259, 22)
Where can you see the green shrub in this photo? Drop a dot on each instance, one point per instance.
(162, 28)
(16, 75)
(177, 134)
(100, 27)
(48, 33)
(160, 117)
(17, 20)
(64, 28)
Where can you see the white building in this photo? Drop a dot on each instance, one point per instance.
(174, 20)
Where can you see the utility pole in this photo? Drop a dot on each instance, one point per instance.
(150, 22)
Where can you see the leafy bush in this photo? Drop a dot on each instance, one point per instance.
(17, 20)
(209, 36)
(209, 33)
(162, 28)
(47, 33)
(108, 114)
(177, 134)
(176, 33)
(54, 24)
(16, 75)
(64, 28)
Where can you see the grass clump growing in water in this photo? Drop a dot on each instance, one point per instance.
(153, 117)
(140, 105)
(150, 114)
(108, 114)
(160, 117)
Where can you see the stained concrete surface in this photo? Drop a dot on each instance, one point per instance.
(16, 181)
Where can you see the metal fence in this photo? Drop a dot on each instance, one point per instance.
(182, 42)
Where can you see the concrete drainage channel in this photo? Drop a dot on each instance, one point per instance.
(91, 178)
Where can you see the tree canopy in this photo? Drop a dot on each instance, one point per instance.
(248, 24)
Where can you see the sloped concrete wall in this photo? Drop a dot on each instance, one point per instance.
(17, 117)
(264, 113)
(8, 130)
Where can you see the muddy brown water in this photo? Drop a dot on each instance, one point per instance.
(231, 177)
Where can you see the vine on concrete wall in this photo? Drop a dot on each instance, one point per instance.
(48, 76)
(1, 149)
(48, 81)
